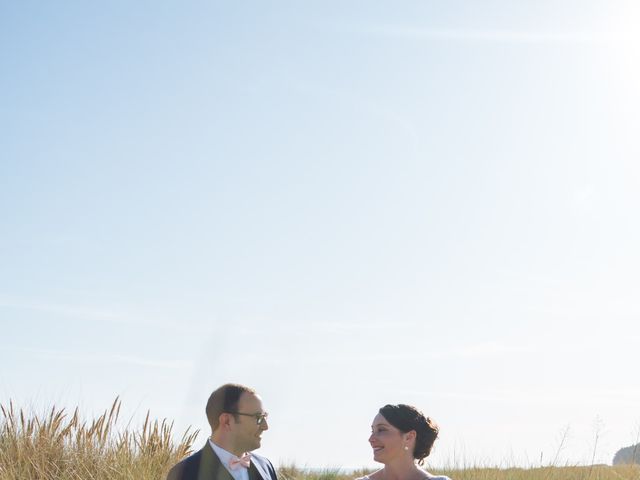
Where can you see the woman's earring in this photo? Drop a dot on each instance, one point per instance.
(406, 448)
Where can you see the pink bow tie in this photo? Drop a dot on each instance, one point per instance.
(242, 462)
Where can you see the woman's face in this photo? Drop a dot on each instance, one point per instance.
(387, 441)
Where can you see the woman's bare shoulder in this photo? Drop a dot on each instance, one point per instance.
(371, 476)
(436, 477)
(378, 476)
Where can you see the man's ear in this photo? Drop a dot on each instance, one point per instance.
(225, 420)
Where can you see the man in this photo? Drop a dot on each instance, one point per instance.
(237, 421)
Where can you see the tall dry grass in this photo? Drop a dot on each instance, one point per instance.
(62, 446)
(599, 472)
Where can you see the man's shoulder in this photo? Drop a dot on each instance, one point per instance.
(260, 459)
(185, 468)
(263, 463)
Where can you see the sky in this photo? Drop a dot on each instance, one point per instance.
(340, 204)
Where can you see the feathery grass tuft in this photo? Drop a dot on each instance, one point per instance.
(56, 445)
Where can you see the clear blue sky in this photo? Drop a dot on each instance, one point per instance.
(342, 204)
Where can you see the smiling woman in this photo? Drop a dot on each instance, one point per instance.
(401, 436)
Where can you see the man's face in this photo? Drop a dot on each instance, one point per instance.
(246, 431)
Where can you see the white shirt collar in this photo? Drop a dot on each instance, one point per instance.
(225, 456)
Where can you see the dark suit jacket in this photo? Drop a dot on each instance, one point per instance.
(205, 465)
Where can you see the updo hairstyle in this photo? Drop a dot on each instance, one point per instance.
(406, 418)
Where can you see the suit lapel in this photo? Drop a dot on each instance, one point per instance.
(211, 467)
(256, 471)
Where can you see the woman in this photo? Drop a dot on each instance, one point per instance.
(400, 435)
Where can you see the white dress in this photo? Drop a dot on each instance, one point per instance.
(431, 477)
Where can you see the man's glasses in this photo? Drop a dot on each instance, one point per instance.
(260, 417)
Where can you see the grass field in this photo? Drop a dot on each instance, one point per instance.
(61, 445)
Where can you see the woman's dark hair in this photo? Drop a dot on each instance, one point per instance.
(406, 418)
